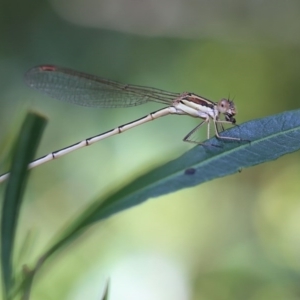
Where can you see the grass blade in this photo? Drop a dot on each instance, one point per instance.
(24, 152)
(105, 295)
(270, 138)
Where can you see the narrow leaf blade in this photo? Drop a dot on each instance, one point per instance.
(265, 139)
(24, 151)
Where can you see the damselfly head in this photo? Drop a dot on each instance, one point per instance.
(227, 108)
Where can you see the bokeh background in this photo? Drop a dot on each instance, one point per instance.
(232, 238)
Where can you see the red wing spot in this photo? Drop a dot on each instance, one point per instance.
(47, 68)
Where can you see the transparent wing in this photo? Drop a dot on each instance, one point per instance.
(88, 90)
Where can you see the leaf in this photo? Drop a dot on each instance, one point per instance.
(264, 140)
(270, 138)
(24, 152)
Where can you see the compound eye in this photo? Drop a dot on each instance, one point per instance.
(223, 106)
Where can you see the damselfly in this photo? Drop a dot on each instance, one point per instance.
(88, 90)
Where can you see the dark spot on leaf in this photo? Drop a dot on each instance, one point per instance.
(190, 171)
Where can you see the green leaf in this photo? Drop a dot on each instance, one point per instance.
(264, 140)
(24, 152)
(270, 138)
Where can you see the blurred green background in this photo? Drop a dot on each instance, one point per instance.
(232, 238)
